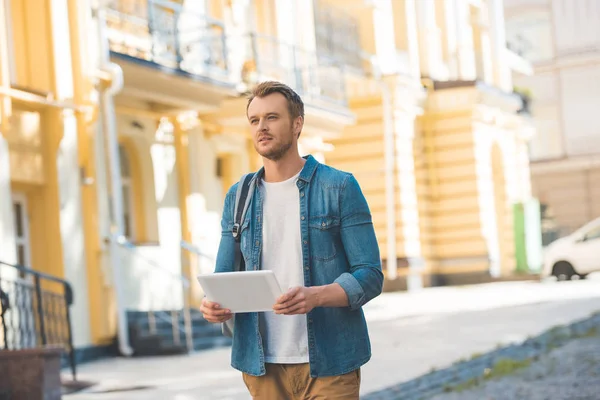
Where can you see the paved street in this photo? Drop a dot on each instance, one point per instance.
(411, 334)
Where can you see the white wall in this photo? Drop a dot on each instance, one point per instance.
(530, 33)
(577, 26)
(72, 231)
(580, 103)
(545, 108)
(205, 203)
(152, 273)
(153, 278)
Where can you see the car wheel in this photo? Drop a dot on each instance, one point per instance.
(563, 271)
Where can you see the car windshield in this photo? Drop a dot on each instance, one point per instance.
(594, 233)
(590, 229)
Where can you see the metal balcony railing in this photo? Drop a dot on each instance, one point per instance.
(34, 309)
(166, 33)
(314, 77)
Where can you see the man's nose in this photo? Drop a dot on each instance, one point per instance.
(262, 125)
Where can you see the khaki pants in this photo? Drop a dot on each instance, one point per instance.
(293, 382)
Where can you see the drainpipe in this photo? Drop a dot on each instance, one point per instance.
(110, 148)
(390, 166)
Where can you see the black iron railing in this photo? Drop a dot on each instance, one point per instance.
(34, 309)
(166, 33)
(314, 76)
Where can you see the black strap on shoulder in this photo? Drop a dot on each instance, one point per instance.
(240, 205)
(240, 211)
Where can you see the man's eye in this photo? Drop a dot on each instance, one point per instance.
(272, 117)
(253, 121)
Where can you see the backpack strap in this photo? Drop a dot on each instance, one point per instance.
(243, 196)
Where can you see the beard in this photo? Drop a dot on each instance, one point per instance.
(277, 150)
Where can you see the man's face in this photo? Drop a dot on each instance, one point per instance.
(273, 130)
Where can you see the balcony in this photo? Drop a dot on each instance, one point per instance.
(166, 35)
(319, 80)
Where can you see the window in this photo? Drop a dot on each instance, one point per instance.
(127, 190)
(21, 230)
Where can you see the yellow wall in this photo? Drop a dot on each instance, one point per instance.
(447, 179)
(32, 35)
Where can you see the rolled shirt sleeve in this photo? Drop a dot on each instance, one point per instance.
(364, 280)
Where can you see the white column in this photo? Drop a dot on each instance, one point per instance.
(430, 41)
(464, 34)
(449, 35)
(71, 223)
(385, 43)
(502, 74)
(7, 229)
(412, 38)
(404, 128)
(71, 228)
(407, 34)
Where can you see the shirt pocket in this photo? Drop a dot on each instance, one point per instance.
(323, 236)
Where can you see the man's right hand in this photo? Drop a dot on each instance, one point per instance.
(212, 312)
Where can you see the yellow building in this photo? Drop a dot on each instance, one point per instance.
(123, 127)
(442, 165)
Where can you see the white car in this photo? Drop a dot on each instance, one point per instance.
(575, 255)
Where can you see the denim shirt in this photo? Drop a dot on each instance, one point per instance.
(338, 245)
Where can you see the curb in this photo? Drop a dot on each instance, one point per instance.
(437, 382)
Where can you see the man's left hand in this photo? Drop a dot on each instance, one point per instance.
(298, 300)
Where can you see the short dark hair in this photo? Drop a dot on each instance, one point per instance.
(263, 89)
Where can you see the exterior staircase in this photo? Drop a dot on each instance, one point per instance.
(163, 338)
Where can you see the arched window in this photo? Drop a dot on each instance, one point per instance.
(127, 190)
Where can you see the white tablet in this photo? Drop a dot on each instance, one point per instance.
(244, 291)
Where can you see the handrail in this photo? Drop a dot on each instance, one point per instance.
(153, 314)
(313, 76)
(36, 312)
(29, 271)
(123, 242)
(155, 33)
(195, 250)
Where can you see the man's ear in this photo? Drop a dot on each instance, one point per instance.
(298, 124)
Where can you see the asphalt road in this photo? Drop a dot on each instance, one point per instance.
(411, 333)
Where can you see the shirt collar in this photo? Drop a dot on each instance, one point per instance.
(308, 171)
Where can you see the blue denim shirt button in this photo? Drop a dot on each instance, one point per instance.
(302, 218)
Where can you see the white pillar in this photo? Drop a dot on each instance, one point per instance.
(71, 229)
(466, 54)
(71, 223)
(404, 128)
(7, 229)
(385, 43)
(449, 35)
(407, 34)
(502, 74)
(430, 41)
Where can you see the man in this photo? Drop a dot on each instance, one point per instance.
(311, 225)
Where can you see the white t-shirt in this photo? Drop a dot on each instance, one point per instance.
(285, 337)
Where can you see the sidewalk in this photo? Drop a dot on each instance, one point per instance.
(411, 333)
(569, 372)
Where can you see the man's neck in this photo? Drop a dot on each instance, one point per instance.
(283, 169)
